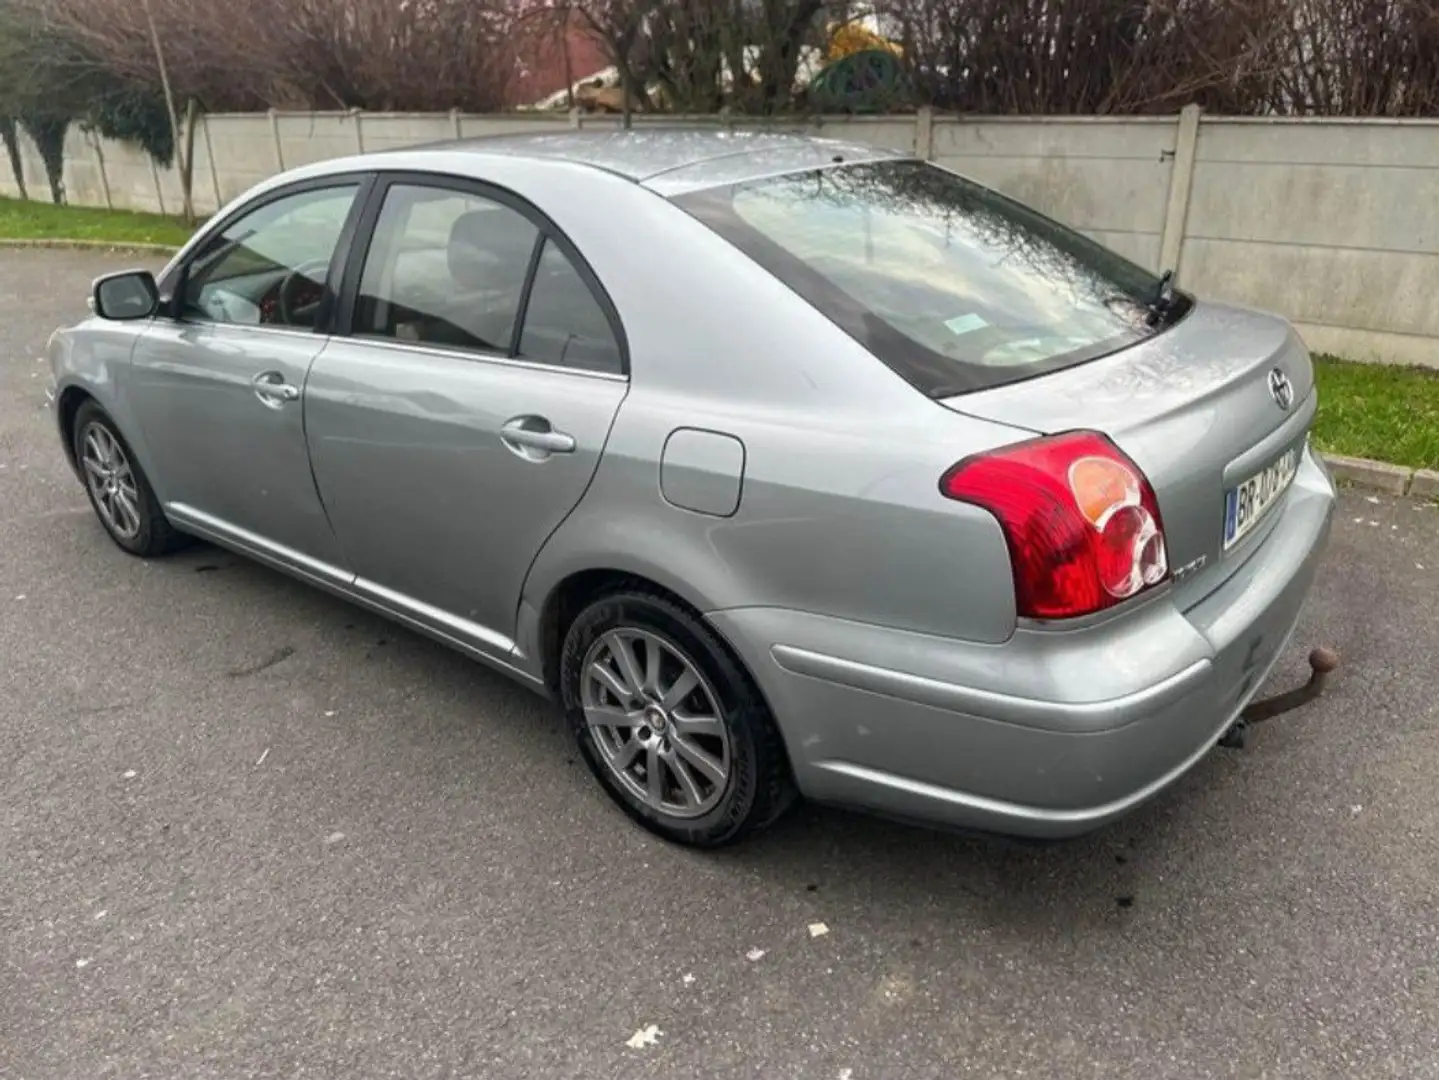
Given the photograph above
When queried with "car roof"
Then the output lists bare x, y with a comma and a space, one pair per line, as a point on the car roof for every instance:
686, 157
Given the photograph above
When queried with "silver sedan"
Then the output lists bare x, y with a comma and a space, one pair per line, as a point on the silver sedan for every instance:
785, 466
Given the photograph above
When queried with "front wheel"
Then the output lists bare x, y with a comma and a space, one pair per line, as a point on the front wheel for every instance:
118, 488
670, 723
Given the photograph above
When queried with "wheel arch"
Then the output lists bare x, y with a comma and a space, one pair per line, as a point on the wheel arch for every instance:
67, 407
569, 596
72, 395
566, 598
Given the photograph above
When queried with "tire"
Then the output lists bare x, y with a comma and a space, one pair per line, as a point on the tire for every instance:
723, 718
122, 498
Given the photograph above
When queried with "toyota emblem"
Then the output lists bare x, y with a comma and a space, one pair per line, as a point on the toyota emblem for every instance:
1281, 389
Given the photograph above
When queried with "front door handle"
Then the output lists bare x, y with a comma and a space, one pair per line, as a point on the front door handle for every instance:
533, 438
271, 388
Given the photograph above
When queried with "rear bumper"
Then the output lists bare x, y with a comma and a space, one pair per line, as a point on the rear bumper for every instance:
1052, 733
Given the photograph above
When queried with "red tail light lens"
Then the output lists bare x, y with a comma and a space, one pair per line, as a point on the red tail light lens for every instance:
1080, 519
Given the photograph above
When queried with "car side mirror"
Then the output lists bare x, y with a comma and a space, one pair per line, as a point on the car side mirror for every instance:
130, 294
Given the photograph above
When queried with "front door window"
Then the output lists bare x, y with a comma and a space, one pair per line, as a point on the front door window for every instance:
270, 266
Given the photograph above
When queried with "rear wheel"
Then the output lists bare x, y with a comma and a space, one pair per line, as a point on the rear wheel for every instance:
670, 723
118, 488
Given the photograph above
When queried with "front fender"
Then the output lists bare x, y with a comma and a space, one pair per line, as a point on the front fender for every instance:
92, 359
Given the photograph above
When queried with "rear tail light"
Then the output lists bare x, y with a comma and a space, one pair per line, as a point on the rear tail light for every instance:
1080, 519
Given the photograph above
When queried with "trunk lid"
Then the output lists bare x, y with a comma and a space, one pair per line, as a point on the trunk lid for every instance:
1198, 408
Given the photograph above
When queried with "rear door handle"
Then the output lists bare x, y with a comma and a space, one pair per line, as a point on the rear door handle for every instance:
271, 388
533, 438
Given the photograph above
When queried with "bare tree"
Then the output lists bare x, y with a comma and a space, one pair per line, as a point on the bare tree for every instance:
1089, 56
704, 55
1359, 57
1356, 57
373, 54
184, 146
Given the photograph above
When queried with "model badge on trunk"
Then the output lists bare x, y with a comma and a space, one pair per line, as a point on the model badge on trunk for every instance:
1281, 389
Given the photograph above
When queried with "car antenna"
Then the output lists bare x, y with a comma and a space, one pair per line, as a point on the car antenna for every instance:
1163, 298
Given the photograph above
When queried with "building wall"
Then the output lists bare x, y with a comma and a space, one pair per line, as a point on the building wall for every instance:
543, 63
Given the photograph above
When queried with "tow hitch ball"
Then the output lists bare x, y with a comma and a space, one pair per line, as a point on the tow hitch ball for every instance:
1321, 662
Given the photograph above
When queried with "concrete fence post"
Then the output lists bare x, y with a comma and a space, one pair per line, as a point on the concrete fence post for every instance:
455, 121
1181, 182
924, 133
210, 153
359, 119
275, 134
155, 178
575, 119
94, 138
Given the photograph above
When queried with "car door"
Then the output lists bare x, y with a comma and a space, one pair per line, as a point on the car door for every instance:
460, 419
218, 386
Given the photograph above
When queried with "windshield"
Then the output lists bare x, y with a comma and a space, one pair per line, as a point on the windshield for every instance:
953, 285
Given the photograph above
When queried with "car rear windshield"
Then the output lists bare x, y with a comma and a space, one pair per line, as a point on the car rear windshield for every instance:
951, 284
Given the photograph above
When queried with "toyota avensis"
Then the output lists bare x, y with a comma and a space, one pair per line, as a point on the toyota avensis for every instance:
787, 466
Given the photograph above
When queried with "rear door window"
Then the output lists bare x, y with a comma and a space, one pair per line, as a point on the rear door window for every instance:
446, 268
564, 323
954, 286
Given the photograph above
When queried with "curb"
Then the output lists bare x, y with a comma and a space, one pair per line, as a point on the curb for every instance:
1382, 476
91, 245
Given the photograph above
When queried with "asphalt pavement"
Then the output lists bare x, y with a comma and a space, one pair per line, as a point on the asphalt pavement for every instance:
249, 831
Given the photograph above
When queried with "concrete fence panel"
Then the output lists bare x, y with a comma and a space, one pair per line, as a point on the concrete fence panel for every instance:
306, 138
476, 127
9, 183
131, 176
171, 189
889, 132
399, 130
604, 123
1108, 178
85, 180
245, 150
205, 185
1335, 224
32, 167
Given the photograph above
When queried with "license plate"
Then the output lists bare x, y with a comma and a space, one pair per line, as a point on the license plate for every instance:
1246, 505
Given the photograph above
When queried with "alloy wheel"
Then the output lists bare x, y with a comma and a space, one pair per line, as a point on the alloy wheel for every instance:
111, 481
655, 721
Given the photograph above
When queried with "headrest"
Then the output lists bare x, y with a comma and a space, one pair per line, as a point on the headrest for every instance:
489, 248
